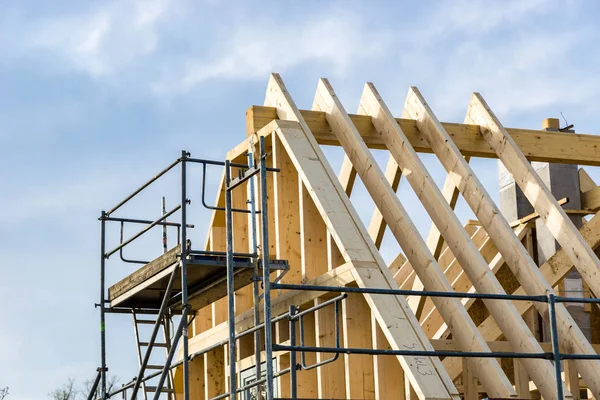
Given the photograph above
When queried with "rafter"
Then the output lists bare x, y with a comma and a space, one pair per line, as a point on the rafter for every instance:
557, 221
488, 370
356, 247
455, 235
515, 255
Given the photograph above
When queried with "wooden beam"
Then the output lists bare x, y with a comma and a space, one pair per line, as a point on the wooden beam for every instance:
557, 221
214, 373
287, 212
377, 225
313, 240
556, 147
389, 376
399, 326
408, 237
457, 238
586, 183
360, 378
516, 256
591, 199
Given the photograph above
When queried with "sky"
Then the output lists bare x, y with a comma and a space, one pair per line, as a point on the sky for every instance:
98, 96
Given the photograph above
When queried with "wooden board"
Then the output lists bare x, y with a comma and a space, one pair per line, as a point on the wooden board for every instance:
407, 235
557, 147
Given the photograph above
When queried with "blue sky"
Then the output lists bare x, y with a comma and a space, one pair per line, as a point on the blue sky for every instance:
98, 96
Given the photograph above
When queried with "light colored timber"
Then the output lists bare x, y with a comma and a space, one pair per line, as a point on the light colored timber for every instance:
406, 234
586, 183
515, 255
426, 374
389, 376
313, 238
452, 270
537, 145
457, 238
553, 271
370, 275
377, 225
462, 283
535, 215
591, 199
435, 240
555, 218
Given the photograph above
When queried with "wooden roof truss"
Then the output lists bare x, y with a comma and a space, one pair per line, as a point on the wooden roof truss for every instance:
317, 230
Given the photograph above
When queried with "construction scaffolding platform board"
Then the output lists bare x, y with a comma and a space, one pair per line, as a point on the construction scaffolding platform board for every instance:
207, 280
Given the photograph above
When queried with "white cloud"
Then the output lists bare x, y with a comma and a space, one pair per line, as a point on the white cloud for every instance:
100, 42
255, 50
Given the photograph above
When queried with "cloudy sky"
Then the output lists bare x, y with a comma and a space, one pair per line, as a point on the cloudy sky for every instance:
98, 96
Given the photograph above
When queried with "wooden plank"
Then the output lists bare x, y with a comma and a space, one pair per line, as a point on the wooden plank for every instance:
516, 256
313, 241
313, 238
586, 183
521, 380
406, 233
389, 376
590, 200
214, 372
244, 299
307, 379
572, 378
287, 210
360, 378
340, 276
555, 218
377, 225
435, 240
331, 377
144, 273
537, 145
457, 238
353, 242
432, 321
469, 382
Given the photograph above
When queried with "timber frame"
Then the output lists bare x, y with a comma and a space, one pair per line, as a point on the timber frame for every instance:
314, 229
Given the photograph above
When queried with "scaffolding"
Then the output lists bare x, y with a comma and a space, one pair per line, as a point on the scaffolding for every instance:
258, 262
222, 273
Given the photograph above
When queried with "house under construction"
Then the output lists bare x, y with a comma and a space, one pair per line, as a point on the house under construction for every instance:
290, 297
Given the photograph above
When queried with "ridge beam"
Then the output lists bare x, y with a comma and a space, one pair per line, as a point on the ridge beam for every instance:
488, 370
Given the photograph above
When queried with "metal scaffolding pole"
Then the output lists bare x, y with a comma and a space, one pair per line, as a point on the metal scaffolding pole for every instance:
255, 275
102, 311
230, 283
184, 285
266, 269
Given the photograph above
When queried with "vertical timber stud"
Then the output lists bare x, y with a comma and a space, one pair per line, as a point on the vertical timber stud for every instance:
557, 221
523, 267
406, 234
